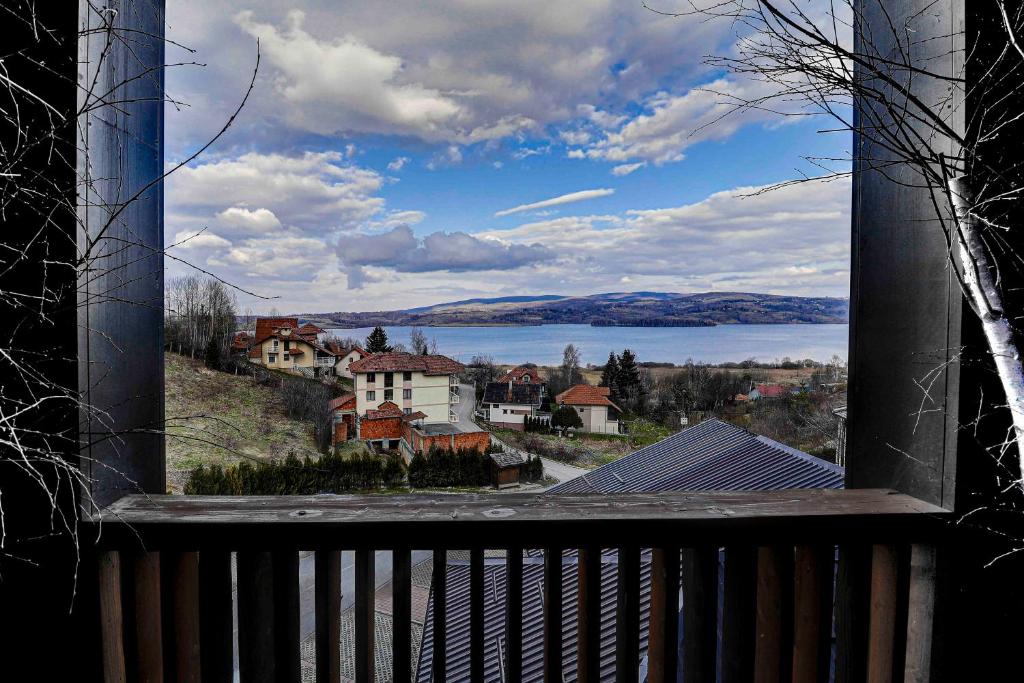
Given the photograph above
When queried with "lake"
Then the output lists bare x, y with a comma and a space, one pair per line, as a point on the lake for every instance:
543, 344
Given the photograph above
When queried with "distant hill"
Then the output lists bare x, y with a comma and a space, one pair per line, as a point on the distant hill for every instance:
613, 309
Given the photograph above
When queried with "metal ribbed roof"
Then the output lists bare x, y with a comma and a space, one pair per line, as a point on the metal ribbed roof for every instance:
712, 455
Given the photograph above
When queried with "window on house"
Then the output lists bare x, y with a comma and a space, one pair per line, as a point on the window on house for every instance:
371, 395
389, 394
273, 345
581, 410
406, 376
407, 411
287, 344
389, 379
407, 393
271, 357
286, 358
504, 411
371, 377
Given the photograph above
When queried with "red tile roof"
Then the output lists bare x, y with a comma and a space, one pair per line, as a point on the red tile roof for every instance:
585, 395
771, 390
266, 326
384, 410
309, 329
341, 403
402, 362
418, 415
294, 351
516, 374
241, 341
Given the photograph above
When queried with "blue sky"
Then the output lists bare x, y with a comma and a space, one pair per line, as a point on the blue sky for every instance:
383, 157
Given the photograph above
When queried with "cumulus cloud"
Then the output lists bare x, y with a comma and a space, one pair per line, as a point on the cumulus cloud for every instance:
398, 164
671, 123
400, 250
257, 221
445, 71
580, 196
314, 191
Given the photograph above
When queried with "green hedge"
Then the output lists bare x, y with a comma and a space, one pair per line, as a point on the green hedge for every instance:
291, 476
532, 470
440, 467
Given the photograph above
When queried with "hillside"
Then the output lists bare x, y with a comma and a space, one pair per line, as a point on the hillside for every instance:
215, 418
631, 309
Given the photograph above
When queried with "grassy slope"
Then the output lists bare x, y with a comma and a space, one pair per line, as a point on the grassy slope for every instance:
227, 418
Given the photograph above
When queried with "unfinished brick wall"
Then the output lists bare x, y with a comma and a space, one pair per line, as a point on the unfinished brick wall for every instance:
474, 440
384, 428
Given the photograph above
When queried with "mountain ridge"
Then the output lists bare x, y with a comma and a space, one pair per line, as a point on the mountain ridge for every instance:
612, 309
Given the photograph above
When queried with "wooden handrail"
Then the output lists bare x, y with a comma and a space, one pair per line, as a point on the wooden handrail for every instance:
403, 521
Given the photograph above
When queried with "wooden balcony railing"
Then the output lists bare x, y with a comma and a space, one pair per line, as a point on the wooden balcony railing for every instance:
774, 555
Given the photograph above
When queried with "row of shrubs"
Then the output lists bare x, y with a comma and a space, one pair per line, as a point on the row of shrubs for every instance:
336, 474
291, 476
445, 467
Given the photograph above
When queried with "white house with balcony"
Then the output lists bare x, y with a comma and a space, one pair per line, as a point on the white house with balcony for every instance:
416, 383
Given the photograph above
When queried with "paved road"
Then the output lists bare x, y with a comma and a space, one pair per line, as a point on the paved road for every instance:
561, 471
465, 407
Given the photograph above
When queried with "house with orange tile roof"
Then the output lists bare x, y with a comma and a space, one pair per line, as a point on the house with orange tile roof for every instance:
281, 344
597, 411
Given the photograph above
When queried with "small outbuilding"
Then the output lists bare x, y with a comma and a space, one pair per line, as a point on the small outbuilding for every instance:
505, 469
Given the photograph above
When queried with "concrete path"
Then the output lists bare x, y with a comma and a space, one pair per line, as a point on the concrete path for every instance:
561, 471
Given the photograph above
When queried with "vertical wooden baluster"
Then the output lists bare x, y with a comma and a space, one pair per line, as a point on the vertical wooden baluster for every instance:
365, 617
812, 613
185, 604
882, 619
476, 614
738, 610
148, 624
588, 615
663, 641
328, 616
111, 619
286, 615
852, 601
401, 612
772, 644
256, 651
514, 615
627, 616
920, 614
216, 631
553, 615
699, 578
439, 595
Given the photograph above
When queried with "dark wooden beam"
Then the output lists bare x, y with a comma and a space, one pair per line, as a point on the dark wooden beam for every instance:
379, 522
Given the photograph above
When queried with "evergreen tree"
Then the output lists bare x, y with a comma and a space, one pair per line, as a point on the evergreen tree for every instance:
629, 384
377, 341
212, 355
610, 374
566, 416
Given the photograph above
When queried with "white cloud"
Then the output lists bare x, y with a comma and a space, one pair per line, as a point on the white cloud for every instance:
398, 164
257, 221
313, 192
555, 201
791, 240
196, 239
626, 169
672, 123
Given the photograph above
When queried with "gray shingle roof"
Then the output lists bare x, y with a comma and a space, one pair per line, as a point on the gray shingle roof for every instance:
712, 455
